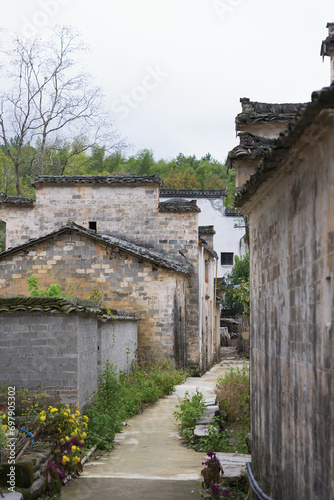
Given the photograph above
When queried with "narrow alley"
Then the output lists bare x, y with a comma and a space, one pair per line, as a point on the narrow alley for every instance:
149, 461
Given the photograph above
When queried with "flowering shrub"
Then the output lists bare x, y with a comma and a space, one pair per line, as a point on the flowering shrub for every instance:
68, 431
211, 472
213, 483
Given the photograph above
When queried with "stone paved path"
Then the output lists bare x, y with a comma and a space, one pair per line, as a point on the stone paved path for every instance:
149, 461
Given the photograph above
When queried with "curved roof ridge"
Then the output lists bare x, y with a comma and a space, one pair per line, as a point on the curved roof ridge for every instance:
156, 257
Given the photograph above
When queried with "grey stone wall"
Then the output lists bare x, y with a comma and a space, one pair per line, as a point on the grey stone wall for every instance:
117, 343
292, 338
58, 352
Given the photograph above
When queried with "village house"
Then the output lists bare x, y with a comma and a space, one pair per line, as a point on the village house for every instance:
143, 255
228, 224
289, 201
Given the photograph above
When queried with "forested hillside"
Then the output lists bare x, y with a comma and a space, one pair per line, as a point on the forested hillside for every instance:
180, 172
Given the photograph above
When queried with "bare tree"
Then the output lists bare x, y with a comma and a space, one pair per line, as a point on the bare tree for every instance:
48, 102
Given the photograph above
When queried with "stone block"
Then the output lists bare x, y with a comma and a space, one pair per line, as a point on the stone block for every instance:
23, 472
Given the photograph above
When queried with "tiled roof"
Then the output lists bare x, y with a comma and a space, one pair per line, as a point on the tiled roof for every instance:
207, 247
253, 111
274, 157
180, 206
251, 146
59, 305
15, 200
149, 254
98, 179
192, 193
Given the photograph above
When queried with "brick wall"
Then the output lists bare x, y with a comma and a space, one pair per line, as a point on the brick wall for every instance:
292, 340
117, 344
60, 352
80, 265
125, 211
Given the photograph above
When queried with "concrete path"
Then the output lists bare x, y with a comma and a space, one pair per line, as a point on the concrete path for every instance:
149, 462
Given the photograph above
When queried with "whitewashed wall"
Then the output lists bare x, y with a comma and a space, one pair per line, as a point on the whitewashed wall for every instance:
227, 237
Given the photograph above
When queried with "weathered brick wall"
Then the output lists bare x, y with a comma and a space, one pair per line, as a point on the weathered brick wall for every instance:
60, 352
125, 211
117, 344
87, 366
20, 223
130, 284
292, 340
129, 212
44, 350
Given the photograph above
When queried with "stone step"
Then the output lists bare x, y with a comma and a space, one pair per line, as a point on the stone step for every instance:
200, 430
205, 420
15, 495
232, 463
210, 401
211, 410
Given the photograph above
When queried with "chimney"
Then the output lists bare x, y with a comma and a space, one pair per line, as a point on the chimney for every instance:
207, 233
327, 49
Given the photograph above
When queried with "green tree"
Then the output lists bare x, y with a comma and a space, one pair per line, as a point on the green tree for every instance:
235, 280
181, 180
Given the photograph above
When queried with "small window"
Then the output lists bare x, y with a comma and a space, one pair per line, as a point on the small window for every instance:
226, 258
92, 225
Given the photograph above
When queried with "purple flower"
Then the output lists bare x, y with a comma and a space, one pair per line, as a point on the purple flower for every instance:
225, 493
215, 488
61, 474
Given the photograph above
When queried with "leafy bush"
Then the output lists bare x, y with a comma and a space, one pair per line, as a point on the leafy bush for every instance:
240, 271
228, 431
54, 290
233, 395
192, 408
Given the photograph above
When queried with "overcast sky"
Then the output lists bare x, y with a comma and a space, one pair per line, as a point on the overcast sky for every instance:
173, 71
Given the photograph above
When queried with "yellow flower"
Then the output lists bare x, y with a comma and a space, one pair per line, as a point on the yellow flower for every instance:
65, 459
53, 410
82, 441
73, 448
55, 451
75, 460
73, 434
66, 405
67, 438
85, 425
86, 418
77, 412
43, 417
84, 435
66, 414
5, 427
50, 407
4, 415
73, 416
59, 429
62, 441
